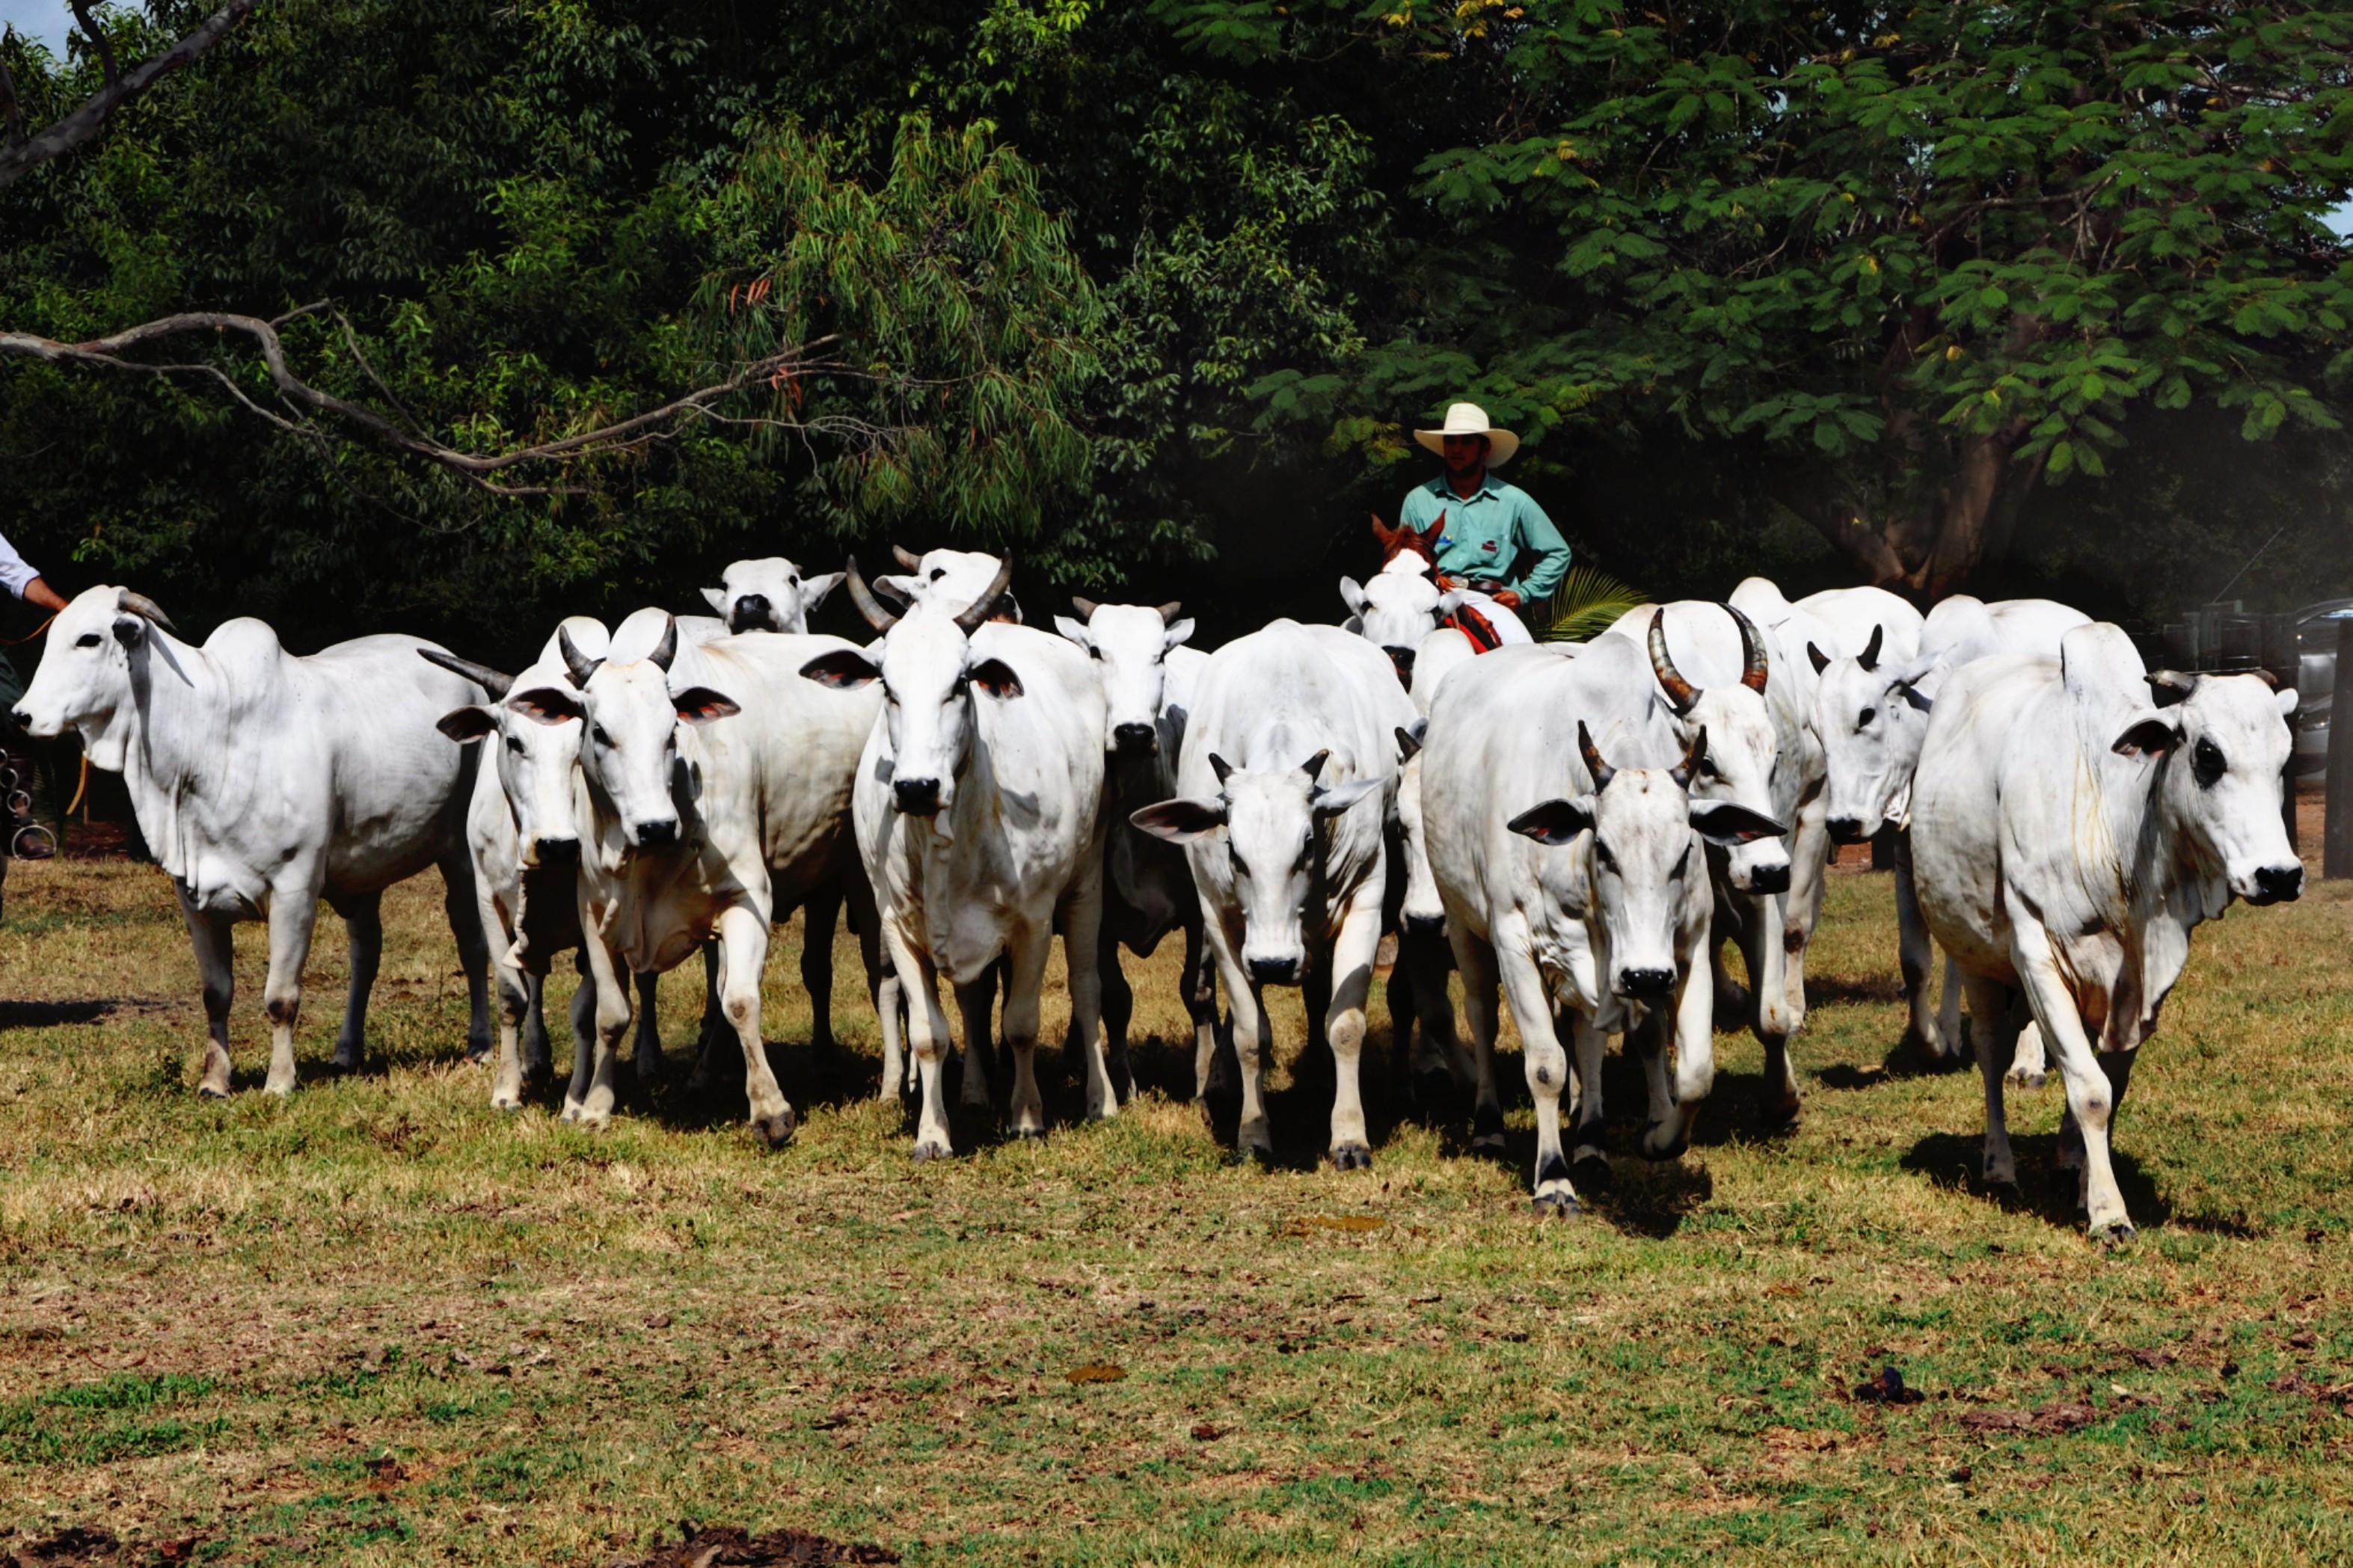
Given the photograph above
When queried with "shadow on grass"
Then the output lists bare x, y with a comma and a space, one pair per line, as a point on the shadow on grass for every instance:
50, 1014
1953, 1161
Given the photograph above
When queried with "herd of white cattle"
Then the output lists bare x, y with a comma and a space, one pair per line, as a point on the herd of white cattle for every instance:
1581, 828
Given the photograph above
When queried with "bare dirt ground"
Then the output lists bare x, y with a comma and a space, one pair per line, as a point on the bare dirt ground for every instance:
379, 1322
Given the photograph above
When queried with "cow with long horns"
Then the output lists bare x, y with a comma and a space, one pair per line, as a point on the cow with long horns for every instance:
978, 809
1569, 879
1715, 670
265, 782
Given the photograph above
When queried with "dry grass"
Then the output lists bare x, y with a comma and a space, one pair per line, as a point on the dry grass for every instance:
381, 1323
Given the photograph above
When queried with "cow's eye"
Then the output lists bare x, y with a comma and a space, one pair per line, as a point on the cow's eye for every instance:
88, 639
514, 744
2206, 762
1095, 654
939, 573
791, 581
1682, 864
1601, 852
602, 738
1708, 770
1863, 722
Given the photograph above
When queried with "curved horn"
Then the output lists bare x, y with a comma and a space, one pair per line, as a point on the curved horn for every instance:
1680, 695
969, 618
666, 649
1602, 772
145, 608
1682, 772
1870, 660
496, 684
880, 619
1220, 766
577, 665
907, 557
1313, 766
1086, 607
1169, 610
1752, 651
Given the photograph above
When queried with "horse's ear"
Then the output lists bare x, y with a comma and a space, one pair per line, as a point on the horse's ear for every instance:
1436, 527
1383, 534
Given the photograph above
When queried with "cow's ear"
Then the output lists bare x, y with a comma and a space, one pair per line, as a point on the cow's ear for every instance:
548, 705
1821, 661
2148, 738
1181, 821
1352, 594
2285, 701
700, 705
994, 677
1330, 803
716, 598
1075, 630
1724, 823
1410, 740
1353, 625
467, 723
844, 669
1910, 695
815, 589
1176, 634
1449, 602
1555, 821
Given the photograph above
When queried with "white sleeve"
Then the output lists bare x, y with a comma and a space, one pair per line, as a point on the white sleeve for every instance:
14, 574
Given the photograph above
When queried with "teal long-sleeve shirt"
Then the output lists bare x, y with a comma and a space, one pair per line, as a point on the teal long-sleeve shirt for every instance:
1486, 535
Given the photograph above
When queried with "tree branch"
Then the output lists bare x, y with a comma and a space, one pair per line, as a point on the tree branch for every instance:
303, 400
25, 153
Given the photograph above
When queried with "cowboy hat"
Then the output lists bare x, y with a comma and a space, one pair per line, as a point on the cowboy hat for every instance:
1470, 419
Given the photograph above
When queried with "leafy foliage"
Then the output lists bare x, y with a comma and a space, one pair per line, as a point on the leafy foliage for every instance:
1587, 602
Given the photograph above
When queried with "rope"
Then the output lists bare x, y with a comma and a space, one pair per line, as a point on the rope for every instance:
37, 631
81, 788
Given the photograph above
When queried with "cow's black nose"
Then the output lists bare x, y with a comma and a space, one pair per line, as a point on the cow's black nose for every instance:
20, 720
1275, 970
752, 613
560, 851
658, 835
1400, 657
1769, 879
1645, 982
1425, 925
1135, 739
2277, 884
1847, 829
917, 797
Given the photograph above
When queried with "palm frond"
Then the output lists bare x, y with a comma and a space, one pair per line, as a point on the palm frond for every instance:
1586, 604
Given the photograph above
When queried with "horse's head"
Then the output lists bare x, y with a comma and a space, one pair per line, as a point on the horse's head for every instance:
1402, 540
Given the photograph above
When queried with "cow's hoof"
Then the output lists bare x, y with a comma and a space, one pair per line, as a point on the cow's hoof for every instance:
1592, 1171
1669, 1147
928, 1149
776, 1130
1553, 1205
1433, 1088
1031, 1134
1260, 1155
651, 1068
1490, 1146
509, 1103
1776, 1122
1352, 1157
208, 1089
2119, 1233
283, 1088
342, 1066
476, 1051
2024, 1079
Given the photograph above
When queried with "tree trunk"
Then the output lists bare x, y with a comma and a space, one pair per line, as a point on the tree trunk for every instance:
1922, 542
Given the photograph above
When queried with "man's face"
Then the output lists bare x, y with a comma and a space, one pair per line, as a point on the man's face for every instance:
1465, 454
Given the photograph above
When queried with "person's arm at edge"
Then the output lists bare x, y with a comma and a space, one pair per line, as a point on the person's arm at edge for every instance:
1551, 551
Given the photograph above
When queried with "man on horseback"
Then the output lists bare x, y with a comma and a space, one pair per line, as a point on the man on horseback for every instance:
1497, 539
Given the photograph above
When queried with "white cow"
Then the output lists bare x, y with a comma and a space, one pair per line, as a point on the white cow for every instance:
956, 578
1147, 677
715, 782
1398, 608
978, 809
1288, 770
2073, 822
768, 594
265, 782
524, 839
1872, 710
1598, 898
1716, 669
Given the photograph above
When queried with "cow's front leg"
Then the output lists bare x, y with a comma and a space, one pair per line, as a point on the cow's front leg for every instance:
927, 1035
1028, 951
292, 916
1438, 1052
1475, 960
215, 948
460, 901
584, 1037
1693, 1024
645, 1059
1589, 1150
977, 1005
1801, 907
1917, 955
1118, 1011
364, 926
2090, 1096
535, 1055
819, 915
1547, 1072
1761, 946
2028, 1065
1353, 949
518, 1002
743, 960
1083, 947
590, 1103
1990, 1033
1202, 1006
